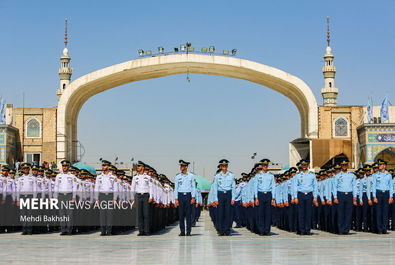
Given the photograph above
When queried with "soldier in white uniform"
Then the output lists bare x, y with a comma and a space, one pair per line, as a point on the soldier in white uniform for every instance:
6, 199
65, 190
26, 188
106, 190
142, 187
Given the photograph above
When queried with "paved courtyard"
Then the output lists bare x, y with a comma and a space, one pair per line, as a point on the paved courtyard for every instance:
204, 247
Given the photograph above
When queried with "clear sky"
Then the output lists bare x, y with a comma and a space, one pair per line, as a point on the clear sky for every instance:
162, 120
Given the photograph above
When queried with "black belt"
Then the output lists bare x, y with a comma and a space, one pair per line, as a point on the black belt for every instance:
305, 193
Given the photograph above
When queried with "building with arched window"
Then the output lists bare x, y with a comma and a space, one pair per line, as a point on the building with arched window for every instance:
36, 133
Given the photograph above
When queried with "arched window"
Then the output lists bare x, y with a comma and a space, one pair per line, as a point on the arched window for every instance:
33, 128
341, 127
330, 84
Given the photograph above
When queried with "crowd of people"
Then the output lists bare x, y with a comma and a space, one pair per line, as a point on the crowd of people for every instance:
71, 186
334, 199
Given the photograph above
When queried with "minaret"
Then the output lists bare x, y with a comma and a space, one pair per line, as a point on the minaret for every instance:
65, 70
329, 92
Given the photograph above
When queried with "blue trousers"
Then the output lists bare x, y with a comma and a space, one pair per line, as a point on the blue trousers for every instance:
237, 213
185, 211
344, 211
224, 211
264, 212
305, 209
382, 208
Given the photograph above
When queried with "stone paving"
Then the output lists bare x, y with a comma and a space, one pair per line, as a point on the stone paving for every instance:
204, 247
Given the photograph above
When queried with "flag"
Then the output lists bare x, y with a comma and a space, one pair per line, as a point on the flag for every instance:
2, 111
384, 110
370, 110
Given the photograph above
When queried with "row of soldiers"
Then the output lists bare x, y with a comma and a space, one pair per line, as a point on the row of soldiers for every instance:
332, 200
371, 209
80, 187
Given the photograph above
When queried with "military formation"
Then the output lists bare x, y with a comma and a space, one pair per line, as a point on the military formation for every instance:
96, 195
334, 199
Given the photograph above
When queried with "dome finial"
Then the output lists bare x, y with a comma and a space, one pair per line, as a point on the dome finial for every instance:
65, 33
328, 36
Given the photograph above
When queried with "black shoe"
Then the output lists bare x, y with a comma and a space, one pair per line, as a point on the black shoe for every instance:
189, 234
299, 233
308, 233
24, 233
385, 232
63, 233
141, 234
103, 234
182, 234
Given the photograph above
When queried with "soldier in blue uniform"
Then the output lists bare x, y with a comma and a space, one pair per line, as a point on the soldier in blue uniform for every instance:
382, 189
305, 194
365, 200
391, 171
184, 193
345, 196
264, 193
224, 196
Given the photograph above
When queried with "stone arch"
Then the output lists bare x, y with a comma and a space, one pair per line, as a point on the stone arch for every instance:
83, 88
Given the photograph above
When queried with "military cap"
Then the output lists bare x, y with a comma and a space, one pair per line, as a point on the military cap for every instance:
304, 162
41, 168
72, 168
5, 168
367, 167
264, 161
84, 172
257, 166
223, 162
120, 172
286, 173
12, 171
26, 165
35, 167
375, 165
65, 163
298, 164
244, 175
344, 162
48, 171
113, 168
140, 163
330, 170
183, 163
293, 170
381, 162
105, 163
337, 166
